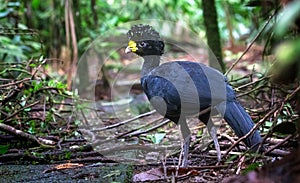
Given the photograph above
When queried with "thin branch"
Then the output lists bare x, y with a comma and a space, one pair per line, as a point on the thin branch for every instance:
14, 83
124, 122
278, 144
253, 82
21, 134
137, 133
250, 45
257, 125
25, 107
97, 142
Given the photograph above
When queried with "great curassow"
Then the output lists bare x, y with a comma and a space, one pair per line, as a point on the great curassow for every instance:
183, 88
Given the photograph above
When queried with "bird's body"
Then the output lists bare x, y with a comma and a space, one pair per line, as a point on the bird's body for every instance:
182, 88
185, 87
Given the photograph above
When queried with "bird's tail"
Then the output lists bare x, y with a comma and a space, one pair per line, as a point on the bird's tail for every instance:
241, 123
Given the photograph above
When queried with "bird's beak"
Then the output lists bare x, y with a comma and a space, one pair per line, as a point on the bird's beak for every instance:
131, 47
128, 50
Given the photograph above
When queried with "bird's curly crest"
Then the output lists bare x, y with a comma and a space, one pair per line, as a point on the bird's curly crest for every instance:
143, 32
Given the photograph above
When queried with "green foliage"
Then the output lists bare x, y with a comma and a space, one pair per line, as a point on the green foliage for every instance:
32, 127
93, 20
155, 138
288, 17
3, 149
117, 173
251, 167
68, 155
288, 52
30, 100
17, 42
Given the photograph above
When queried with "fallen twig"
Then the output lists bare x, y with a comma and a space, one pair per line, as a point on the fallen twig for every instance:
274, 110
123, 122
22, 134
148, 130
278, 144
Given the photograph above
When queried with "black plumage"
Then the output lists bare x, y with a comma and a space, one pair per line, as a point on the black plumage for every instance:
182, 88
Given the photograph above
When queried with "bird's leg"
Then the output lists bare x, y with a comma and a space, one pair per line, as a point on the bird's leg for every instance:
186, 134
185, 149
213, 133
206, 119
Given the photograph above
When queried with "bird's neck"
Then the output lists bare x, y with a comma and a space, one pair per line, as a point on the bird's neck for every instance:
150, 63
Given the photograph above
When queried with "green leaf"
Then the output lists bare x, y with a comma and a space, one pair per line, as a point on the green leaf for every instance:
4, 14
268, 123
61, 85
68, 155
158, 137
4, 148
83, 42
288, 52
27, 109
35, 4
14, 4
32, 65
13, 51
4, 40
251, 167
23, 103
288, 17
68, 93
52, 83
37, 86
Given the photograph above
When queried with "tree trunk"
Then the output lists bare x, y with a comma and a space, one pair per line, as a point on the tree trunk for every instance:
212, 34
82, 68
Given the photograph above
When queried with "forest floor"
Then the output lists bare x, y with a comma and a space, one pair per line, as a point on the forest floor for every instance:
116, 144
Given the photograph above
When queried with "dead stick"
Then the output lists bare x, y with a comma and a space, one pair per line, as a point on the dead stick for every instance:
22, 134
278, 144
149, 130
25, 107
97, 142
123, 122
249, 46
275, 109
14, 83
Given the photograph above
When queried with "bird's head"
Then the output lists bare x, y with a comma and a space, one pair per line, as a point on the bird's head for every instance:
144, 41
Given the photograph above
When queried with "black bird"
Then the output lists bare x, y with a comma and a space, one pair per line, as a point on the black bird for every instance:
183, 88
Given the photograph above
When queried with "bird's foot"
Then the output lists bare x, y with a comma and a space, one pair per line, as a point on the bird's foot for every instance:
185, 151
213, 134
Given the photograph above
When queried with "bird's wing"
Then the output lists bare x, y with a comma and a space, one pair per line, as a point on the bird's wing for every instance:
162, 94
183, 86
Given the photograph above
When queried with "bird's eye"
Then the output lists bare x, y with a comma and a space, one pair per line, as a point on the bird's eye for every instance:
142, 44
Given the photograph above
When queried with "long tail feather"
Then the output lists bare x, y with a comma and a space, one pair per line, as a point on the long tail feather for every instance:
241, 123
